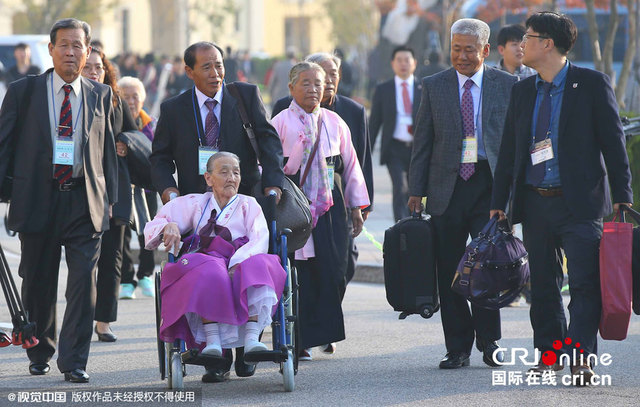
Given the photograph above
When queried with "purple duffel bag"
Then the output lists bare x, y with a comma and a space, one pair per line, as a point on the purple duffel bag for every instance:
494, 268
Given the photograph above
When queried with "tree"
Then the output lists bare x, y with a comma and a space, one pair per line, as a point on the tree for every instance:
37, 17
352, 22
215, 12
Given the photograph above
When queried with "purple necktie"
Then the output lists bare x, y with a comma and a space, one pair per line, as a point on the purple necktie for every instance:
61, 172
211, 126
466, 107
536, 176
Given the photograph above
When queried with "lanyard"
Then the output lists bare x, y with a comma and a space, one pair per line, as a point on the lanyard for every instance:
55, 119
197, 115
225, 207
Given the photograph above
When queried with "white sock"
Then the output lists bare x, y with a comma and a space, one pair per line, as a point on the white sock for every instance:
251, 332
212, 331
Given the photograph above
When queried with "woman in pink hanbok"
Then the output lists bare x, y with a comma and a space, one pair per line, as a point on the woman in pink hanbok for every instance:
224, 288
320, 157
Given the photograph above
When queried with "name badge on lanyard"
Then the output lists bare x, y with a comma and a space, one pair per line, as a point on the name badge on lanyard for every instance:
542, 151
330, 173
63, 153
469, 150
204, 153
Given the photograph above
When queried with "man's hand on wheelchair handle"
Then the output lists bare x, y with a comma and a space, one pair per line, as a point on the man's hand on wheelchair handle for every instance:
171, 237
277, 190
166, 194
499, 212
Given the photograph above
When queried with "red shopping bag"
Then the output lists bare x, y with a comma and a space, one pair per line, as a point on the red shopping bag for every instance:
615, 278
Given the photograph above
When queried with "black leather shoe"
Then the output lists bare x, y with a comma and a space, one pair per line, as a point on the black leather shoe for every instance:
487, 350
106, 337
243, 369
215, 376
76, 376
39, 369
454, 360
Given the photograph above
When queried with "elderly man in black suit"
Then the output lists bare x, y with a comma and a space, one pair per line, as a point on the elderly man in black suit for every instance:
355, 116
562, 140
65, 180
205, 119
455, 150
394, 109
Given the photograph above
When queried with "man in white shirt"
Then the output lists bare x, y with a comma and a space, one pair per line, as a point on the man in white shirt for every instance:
394, 108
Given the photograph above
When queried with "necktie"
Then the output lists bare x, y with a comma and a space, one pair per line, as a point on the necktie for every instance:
63, 173
211, 126
466, 107
406, 101
536, 175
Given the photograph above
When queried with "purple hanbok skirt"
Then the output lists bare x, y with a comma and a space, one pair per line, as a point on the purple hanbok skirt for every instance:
198, 286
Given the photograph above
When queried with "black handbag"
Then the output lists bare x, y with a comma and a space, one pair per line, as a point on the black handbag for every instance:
6, 187
139, 151
292, 212
494, 268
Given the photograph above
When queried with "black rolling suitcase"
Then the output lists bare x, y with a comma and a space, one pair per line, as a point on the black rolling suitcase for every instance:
410, 267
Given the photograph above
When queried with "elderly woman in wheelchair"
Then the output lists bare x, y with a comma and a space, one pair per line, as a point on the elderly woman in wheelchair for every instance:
224, 288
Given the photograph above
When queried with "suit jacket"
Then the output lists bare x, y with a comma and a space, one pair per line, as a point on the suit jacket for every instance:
33, 151
437, 144
590, 137
355, 115
175, 145
384, 113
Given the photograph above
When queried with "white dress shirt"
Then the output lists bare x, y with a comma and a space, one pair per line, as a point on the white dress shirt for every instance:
403, 119
55, 97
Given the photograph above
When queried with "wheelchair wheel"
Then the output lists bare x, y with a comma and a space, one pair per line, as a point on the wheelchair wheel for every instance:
295, 335
161, 350
288, 374
175, 372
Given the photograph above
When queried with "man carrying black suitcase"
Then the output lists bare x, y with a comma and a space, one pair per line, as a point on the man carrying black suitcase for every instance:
455, 148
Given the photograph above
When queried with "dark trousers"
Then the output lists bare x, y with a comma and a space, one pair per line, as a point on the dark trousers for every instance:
549, 228
109, 268
466, 215
398, 166
146, 259
69, 226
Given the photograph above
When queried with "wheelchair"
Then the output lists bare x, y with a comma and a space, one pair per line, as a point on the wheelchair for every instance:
173, 356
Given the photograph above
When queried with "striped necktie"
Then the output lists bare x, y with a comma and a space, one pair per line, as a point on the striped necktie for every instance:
63, 173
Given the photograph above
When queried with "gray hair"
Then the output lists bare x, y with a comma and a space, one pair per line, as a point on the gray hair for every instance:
300, 67
217, 156
320, 57
71, 23
472, 26
131, 82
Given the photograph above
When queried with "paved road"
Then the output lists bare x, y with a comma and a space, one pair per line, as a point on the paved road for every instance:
384, 361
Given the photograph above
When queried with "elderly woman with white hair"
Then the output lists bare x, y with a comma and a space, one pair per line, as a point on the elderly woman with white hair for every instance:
223, 290
321, 158
133, 92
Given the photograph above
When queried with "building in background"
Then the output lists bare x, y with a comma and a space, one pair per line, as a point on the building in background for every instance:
263, 27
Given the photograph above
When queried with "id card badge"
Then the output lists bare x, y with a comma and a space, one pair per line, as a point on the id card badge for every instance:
330, 173
204, 153
63, 153
542, 151
470, 150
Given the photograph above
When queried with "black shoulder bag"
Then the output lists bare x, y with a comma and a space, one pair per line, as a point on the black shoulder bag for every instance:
293, 210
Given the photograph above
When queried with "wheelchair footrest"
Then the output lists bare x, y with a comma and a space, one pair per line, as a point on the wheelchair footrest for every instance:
194, 357
276, 356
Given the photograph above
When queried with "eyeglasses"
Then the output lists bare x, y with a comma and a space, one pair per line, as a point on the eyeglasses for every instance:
527, 36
